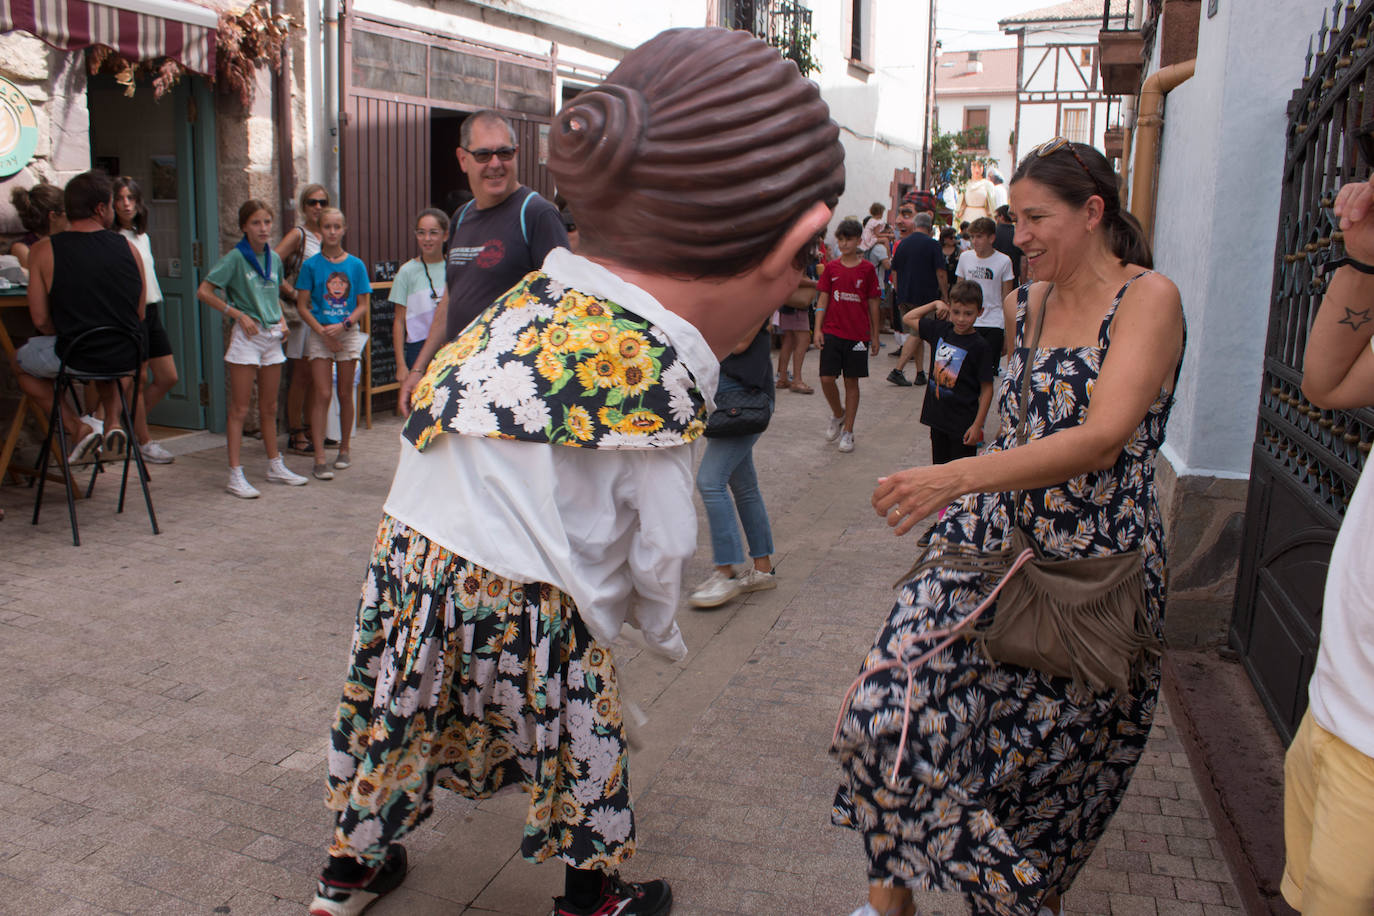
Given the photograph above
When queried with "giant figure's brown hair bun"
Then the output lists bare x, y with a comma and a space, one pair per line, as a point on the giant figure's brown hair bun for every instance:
696, 155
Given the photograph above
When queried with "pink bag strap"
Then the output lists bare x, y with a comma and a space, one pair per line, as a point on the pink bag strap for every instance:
946, 635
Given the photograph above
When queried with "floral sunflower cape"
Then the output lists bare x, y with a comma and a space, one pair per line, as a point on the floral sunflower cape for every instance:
550, 364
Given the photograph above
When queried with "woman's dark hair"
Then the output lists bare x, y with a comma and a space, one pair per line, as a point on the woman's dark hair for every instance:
140, 220
707, 141
1076, 172
84, 194
253, 205
34, 204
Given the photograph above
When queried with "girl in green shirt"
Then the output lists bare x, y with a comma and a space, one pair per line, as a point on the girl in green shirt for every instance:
243, 286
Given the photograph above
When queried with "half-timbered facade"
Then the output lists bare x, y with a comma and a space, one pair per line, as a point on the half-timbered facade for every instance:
1059, 85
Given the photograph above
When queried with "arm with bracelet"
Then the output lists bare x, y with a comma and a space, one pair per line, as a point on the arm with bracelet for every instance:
1338, 365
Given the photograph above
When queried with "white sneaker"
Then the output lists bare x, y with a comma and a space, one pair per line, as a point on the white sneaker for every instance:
715, 591
278, 472
832, 432
155, 454
89, 443
756, 580
239, 485
846, 442
866, 910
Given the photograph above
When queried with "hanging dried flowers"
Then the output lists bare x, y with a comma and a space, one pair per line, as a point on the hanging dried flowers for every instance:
242, 42
246, 39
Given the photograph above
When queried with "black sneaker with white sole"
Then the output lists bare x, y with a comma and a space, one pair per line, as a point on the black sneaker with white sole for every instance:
622, 898
351, 899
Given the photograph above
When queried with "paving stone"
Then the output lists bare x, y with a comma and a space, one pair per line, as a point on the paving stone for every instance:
185, 772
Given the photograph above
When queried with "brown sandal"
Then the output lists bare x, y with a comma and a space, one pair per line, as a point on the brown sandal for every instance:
802, 388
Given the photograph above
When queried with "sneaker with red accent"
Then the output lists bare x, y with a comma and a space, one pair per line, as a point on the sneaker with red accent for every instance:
623, 898
350, 900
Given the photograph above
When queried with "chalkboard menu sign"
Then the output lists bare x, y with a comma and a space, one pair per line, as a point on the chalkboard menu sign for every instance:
383, 347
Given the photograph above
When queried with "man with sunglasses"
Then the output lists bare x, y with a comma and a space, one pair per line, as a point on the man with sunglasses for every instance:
503, 233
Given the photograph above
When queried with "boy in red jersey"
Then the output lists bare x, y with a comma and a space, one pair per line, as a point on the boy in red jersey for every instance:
847, 331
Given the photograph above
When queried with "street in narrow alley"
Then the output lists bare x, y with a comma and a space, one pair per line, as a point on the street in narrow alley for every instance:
170, 698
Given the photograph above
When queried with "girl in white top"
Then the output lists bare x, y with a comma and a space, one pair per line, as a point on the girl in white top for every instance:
131, 219
295, 248
417, 289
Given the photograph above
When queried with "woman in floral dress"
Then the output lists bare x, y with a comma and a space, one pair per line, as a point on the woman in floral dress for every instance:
543, 497
1009, 775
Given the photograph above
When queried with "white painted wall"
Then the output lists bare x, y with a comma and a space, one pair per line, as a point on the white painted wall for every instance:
1001, 121
881, 114
1216, 218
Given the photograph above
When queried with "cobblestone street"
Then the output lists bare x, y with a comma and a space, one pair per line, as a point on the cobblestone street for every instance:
170, 696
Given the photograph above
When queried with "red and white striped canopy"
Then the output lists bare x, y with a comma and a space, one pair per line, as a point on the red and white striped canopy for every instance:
137, 29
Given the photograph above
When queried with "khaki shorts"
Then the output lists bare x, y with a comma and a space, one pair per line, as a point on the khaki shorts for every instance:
352, 340
1328, 807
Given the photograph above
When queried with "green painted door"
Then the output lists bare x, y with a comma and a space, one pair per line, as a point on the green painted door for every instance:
162, 144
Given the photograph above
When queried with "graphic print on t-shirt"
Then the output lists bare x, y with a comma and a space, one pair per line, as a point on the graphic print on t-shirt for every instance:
978, 272
949, 359
336, 293
487, 254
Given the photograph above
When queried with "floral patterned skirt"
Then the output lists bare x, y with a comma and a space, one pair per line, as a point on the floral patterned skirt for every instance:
1009, 775
465, 679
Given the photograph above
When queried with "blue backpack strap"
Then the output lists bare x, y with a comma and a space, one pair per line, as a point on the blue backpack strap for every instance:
462, 213
524, 229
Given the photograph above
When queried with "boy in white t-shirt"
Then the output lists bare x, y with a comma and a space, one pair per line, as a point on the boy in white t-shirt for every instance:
991, 270
1328, 798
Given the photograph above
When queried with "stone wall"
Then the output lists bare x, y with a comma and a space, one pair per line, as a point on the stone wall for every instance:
55, 82
1204, 519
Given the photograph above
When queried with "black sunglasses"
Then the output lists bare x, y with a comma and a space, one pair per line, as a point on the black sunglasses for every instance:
317, 201
1054, 145
483, 156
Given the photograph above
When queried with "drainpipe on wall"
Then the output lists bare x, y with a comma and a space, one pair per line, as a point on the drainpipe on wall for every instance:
1127, 115
286, 145
331, 96
1149, 124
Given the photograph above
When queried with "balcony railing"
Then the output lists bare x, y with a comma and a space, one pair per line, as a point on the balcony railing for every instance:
784, 24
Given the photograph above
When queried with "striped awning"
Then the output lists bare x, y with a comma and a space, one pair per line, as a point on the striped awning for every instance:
137, 29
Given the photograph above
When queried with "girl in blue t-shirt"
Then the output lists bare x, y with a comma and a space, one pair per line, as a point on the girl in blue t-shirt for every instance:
333, 294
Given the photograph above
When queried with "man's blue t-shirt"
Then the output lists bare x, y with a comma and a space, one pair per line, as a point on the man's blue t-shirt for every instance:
334, 286
918, 262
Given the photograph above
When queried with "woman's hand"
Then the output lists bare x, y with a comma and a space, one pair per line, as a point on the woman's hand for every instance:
906, 497
247, 325
1355, 208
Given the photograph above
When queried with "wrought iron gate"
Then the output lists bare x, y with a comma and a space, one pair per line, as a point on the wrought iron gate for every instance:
1306, 461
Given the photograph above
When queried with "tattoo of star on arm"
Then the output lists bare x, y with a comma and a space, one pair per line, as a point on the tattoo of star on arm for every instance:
1355, 319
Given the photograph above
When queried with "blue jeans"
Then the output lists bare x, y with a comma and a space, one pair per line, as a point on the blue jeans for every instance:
731, 462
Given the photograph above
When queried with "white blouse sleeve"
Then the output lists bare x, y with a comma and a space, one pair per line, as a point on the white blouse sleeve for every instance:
664, 539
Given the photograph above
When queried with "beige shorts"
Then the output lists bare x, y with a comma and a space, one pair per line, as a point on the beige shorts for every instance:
1328, 806
352, 340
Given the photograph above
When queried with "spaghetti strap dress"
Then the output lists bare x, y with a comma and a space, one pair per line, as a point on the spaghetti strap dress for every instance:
1009, 775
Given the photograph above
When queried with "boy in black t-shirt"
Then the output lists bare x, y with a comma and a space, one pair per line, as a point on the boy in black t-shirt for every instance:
960, 389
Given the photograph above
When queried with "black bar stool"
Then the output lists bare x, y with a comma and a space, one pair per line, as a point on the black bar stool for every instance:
64, 384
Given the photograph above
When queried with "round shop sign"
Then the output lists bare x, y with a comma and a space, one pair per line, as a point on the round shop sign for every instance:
18, 129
